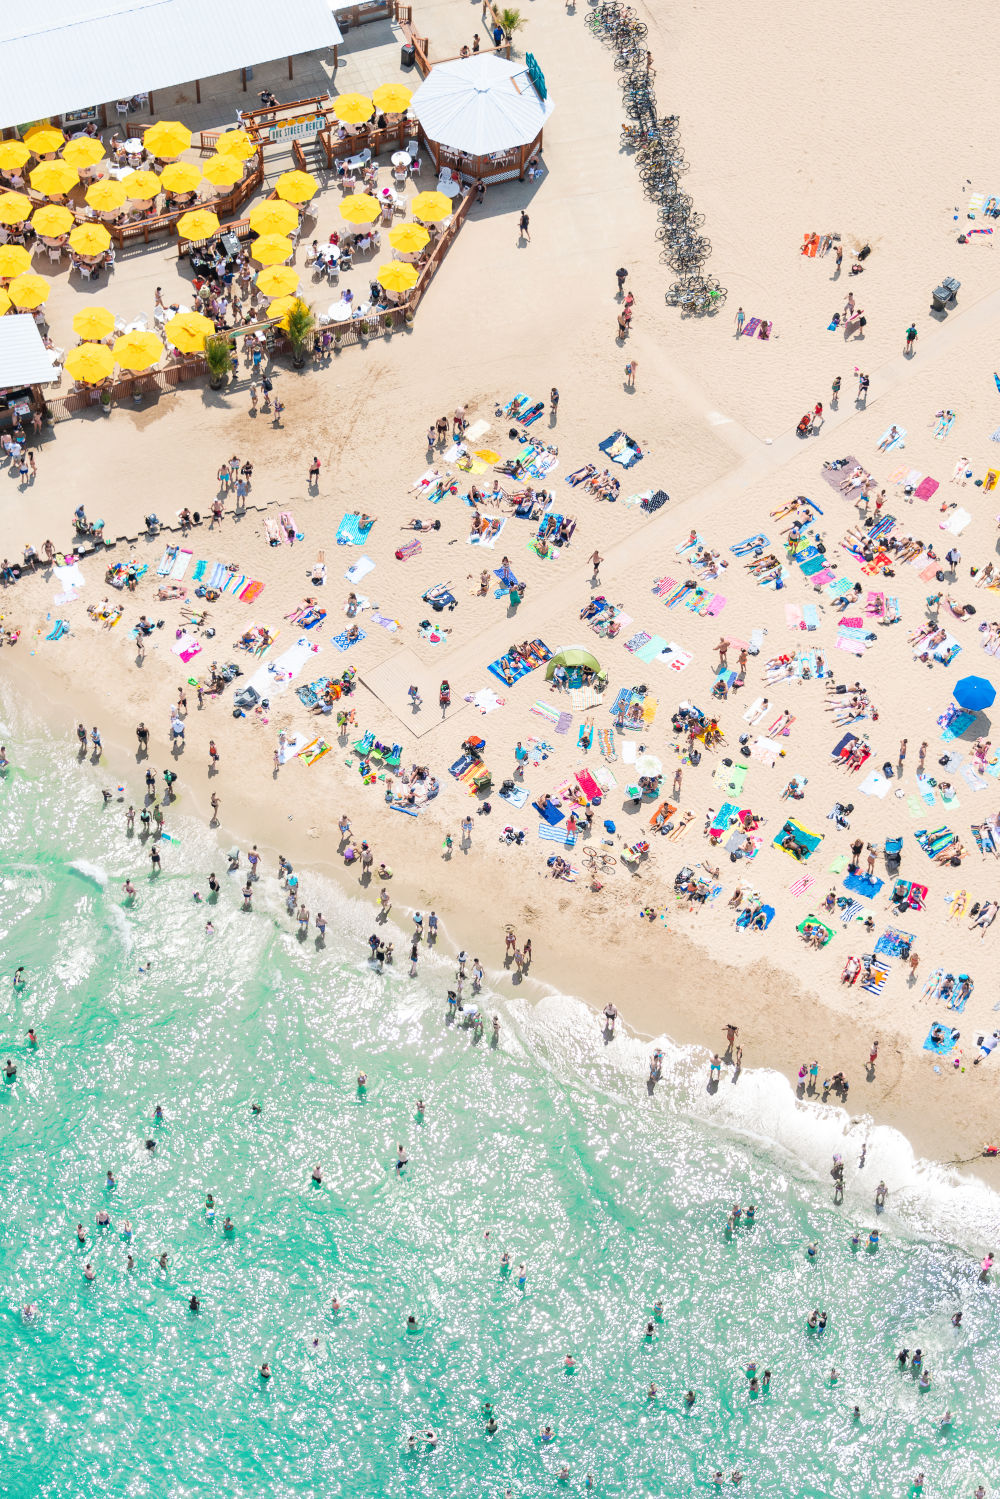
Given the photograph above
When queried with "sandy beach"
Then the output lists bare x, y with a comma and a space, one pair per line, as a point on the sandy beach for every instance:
715, 415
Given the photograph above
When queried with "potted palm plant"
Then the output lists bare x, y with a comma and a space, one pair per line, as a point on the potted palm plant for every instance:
363, 330
299, 323
512, 21
217, 359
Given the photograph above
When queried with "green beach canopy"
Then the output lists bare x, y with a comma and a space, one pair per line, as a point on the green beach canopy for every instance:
572, 655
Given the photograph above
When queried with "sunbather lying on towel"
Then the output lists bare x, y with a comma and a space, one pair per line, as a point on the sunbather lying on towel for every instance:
416, 524
581, 474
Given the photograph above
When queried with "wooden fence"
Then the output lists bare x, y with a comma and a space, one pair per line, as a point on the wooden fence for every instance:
128, 235
151, 382
393, 138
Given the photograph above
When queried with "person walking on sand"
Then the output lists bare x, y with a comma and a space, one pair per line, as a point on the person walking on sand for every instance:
722, 648
873, 1057
835, 393
620, 276
911, 338
630, 370
314, 472
740, 320
522, 225
595, 563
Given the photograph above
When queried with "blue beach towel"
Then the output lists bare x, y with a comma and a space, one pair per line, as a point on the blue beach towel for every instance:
551, 815
199, 571
556, 835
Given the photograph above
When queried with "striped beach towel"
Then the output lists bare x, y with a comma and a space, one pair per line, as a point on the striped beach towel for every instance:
801, 885
606, 743
874, 981
556, 835
847, 913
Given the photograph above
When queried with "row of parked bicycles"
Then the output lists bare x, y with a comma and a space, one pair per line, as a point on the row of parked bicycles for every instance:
659, 156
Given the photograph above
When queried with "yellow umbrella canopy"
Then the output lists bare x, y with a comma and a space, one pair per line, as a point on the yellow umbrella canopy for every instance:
43, 139
89, 239
13, 155
235, 143
141, 185
93, 322
280, 308
28, 291
360, 208
14, 208
166, 139
431, 206
13, 260
272, 249
393, 98
90, 362
296, 187
353, 109
188, 332
106, 195
85, 151
52, 219
137, 350
277, 281
4, 303
200, 223
273, 217
396, 275
409, 238
180, 177
222, 171
53, 178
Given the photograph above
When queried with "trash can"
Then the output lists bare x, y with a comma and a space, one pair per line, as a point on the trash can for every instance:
407, 55
945, 293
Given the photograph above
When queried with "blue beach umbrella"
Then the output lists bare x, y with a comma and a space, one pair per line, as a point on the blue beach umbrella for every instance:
974, 694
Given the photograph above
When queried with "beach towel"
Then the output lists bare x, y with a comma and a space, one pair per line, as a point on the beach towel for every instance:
886, 444
180, 566
252, 591
516, 796
588, 785
751, 327
754, 543
895, 944
812, 921
956, 522
662, 586
801, 885
717, 605
165, 563
199, 571
861, 884
958, 725
556, 835
730, 778
873, 982
359, 570
653, 647
343, 643
551, 813
351, 533
875, 784
803, 837
217, 577
606, 743
315, 752
926, 488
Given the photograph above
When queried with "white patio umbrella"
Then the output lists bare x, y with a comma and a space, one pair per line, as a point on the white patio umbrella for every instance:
480, 105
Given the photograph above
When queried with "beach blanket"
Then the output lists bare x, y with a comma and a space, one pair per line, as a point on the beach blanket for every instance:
811, 922
180, 566
730, 778
588, 785
802, 836
217, 577
186, 647
933, 840
836, 476
801, 885
863, 884
343, 641
315, 752
359, 570
253, 590
946, 1044
166, 562
516, 796
894, 943
556, 835
606, 743
926, 488
550, 814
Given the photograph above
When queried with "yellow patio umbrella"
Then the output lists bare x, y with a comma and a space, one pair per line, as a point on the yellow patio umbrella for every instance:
272, 249
273, 217
13, 155
43, 139
166, 139
14, 208
296, 187
51, 220
360, 208
396, 275
28, 291
487, 455
280, 308
180, 177
235, 143
89, 239
394, 98
353, 109
53, 178
93, 322
137, 350
4, 303
85, 151
188, 332
408, 238
107, 195
200, 223
222, 171
14, 259
277, 281
141, 185
431, 206
90, 363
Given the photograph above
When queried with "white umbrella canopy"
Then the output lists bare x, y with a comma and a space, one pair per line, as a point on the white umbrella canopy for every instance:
480, 105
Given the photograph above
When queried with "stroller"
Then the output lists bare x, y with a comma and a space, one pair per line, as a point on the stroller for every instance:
893, 854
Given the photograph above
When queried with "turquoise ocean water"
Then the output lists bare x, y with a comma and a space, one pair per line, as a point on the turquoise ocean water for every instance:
548, 1146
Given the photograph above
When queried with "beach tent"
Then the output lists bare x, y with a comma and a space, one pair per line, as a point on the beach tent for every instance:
571, 655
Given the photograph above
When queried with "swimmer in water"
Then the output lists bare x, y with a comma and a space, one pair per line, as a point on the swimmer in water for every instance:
158, 1113
209, 929
651, 1393
89, 1271
649, 1331
736, 1476
750, 1216
902, 1356
812, 1251
492, 1424
986, 1266
19, 977
754, 1385
689, 1399
103, 1219
956, 1320
228, 1227
946, 1418
916, 1361
918, 1481
924, 1381
658, 1309
505, 1263
265, 1371
32, 1038
547, 1434
317, 1175
861, 1158
420, 1108
209, 1206
856, 1413
10, 1071
194, 1304
522, 1275
362, 1081
150, 1144
813, 1319
255, 1108
127, 1231
29, 1312
129, 889
881, 1193
402, 1159
334, 1304
412, 1325
109, 1181
569, 1363
822, 1321
834, 1376
855, 1240
563, 1474
163, 1261
873, 1239
81, 1234
765, 1383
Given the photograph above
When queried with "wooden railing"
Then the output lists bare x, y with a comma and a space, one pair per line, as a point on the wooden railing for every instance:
442, 245
394, 137
151, 382
299, 156
166, 223
373, 10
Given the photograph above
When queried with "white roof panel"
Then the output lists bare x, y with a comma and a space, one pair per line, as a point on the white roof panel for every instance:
480, 105
24, 359
70, 54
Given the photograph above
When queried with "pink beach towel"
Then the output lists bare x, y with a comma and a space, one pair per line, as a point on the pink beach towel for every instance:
587, 785
926, 488
717, 605
252, 591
